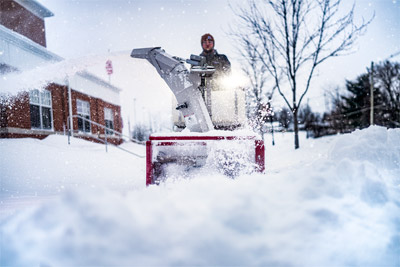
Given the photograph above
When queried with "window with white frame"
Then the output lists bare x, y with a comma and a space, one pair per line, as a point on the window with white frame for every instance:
109, 119
83, 109
41, 109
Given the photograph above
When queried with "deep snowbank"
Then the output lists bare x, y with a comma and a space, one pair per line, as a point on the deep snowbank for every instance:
336, 201
31, 167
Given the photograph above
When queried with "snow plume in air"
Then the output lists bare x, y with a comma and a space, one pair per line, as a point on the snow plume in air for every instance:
52, 72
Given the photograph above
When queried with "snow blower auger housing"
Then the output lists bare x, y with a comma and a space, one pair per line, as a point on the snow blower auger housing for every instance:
171, 153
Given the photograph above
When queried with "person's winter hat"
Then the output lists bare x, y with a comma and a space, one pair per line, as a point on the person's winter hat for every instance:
207, 36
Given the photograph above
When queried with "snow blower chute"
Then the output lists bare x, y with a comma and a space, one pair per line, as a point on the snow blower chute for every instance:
231, 153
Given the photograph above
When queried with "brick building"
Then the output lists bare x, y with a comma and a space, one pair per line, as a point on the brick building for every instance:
41, 112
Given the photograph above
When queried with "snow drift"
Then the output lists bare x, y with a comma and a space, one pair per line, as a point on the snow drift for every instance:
336, 201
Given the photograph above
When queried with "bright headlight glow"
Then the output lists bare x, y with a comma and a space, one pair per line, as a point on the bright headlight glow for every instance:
235, 79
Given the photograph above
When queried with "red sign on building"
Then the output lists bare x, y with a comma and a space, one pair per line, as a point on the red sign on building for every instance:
109, 67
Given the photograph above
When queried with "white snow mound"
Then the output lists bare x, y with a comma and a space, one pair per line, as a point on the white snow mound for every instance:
341, 209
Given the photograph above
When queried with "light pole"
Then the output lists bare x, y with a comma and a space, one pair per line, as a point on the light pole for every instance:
371, 112
135, 124
71, 121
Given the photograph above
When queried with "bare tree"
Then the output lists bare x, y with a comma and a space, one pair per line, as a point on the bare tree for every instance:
258, 94
293, 37
388, 80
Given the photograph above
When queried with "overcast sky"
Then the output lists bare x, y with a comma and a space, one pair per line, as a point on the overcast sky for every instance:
91, 27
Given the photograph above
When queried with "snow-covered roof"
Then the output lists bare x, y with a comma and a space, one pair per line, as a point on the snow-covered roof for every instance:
90, 84
36, 8
98, 81
21, 53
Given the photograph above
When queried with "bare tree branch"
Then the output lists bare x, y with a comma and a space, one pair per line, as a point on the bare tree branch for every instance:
291, 38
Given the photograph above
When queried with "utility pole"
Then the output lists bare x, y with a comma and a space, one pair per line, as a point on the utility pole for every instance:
371, 114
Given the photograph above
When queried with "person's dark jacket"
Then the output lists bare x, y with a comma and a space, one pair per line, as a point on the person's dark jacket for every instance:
219, 61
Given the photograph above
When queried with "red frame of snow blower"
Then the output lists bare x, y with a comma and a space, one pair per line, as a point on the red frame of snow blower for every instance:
171, 141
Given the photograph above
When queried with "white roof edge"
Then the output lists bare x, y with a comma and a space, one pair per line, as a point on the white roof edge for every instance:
36, 8
95, 79
24, 42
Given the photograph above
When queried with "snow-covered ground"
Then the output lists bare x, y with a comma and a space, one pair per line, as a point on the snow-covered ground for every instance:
335, 201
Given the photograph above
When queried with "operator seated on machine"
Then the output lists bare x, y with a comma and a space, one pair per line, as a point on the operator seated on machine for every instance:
219, 61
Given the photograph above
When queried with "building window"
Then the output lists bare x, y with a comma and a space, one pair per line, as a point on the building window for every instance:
41, 110
83, 108
109, 119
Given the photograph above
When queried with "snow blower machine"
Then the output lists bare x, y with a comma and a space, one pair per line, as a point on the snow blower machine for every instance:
199, 146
